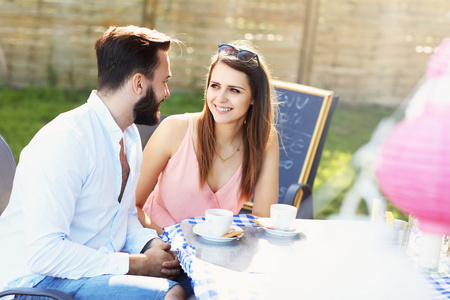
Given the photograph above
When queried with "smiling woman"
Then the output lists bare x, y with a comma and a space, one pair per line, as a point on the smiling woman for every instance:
218, 158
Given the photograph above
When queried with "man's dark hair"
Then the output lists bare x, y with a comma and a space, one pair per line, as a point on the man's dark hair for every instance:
125, 51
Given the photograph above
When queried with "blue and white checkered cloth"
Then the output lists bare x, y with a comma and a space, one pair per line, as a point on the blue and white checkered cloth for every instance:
207, 281
441, 284
212, 282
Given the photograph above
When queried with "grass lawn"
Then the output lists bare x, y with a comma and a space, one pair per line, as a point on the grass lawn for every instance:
23, 112
351, 127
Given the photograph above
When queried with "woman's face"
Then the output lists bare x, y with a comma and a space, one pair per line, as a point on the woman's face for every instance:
228, 95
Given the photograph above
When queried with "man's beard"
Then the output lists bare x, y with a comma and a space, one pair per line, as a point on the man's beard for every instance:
145, 111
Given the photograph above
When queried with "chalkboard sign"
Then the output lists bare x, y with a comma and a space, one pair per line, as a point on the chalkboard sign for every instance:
303, 113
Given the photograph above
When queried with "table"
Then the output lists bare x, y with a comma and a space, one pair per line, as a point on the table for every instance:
320, 263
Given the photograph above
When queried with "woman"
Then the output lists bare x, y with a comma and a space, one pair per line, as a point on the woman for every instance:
218, 158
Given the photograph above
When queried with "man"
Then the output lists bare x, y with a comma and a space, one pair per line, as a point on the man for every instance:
71, 223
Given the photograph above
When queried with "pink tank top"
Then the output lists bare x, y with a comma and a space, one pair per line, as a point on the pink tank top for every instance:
177, 195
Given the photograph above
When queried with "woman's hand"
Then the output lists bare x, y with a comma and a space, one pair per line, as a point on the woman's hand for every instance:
146, 222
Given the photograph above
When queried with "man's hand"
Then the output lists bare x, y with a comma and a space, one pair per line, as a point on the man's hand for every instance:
157, 261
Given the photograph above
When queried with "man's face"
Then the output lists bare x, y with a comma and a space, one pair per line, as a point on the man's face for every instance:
147, 109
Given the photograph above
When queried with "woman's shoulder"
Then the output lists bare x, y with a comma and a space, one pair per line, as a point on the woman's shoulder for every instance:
179, 121
177, 124
181, 117
174, 121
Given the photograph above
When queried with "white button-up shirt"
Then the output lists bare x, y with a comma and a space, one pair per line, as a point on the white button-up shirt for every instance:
64, 218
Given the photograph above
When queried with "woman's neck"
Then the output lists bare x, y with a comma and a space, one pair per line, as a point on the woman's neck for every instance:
227, 134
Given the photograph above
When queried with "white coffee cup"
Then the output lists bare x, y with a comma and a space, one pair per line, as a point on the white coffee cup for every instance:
218, 221
282, 216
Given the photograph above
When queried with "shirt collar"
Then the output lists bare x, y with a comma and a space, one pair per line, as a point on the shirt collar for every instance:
107, 120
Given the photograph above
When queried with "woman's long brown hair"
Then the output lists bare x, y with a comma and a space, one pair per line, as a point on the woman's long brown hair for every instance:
258, 125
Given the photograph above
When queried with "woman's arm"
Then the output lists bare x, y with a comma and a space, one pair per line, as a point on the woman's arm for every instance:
146, 222
161, 146
266, 190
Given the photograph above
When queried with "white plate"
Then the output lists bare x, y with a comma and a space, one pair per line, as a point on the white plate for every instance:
200, 230
267, 222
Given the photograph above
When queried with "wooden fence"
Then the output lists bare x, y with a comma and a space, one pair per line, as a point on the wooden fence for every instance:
366, 51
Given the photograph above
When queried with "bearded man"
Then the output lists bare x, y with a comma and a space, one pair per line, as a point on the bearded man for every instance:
71, 223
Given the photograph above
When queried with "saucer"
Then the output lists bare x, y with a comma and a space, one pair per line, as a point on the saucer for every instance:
266, 225
200, 230
282, 232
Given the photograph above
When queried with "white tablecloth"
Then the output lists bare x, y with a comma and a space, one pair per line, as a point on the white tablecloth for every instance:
213, 282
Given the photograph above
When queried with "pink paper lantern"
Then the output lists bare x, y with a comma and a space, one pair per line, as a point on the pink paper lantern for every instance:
414, 161
414, 167
439, 63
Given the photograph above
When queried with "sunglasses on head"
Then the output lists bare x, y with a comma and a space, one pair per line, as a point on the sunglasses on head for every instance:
243, 55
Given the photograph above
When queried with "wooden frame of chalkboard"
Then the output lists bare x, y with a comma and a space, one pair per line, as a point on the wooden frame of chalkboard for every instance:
303, 113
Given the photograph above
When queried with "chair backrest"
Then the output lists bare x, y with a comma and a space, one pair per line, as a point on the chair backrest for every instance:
304, 112
306, 204
305, 116
146, 131
7, 171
